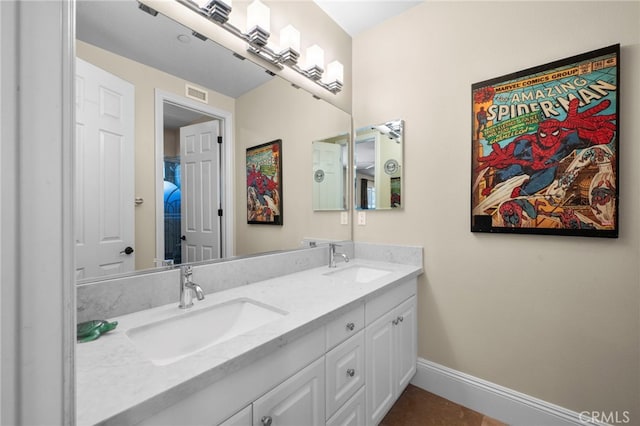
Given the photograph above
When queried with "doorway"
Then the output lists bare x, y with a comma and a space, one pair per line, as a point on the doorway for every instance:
177, 207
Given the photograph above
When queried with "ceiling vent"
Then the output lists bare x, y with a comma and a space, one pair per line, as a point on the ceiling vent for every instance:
196, 93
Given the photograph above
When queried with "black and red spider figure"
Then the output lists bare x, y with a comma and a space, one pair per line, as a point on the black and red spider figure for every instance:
538, 154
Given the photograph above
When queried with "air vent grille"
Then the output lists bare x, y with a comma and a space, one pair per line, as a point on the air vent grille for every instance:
197, 93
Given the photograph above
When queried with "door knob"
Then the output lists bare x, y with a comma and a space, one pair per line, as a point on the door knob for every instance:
127, 250
183, 238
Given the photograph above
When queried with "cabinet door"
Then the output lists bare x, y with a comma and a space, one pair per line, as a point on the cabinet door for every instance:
241, 418
380, 367
406, 344
297, 401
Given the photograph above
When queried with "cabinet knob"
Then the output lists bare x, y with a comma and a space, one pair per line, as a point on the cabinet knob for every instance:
351, 326
395, 321
400, 318
351, 372
266, 420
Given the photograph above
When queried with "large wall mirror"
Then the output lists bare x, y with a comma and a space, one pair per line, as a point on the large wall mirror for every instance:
330, 173
174, 94
378, 158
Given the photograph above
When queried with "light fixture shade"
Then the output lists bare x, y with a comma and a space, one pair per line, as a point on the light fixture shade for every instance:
206, 3
258, 15
315, 57
335, 72
290, 38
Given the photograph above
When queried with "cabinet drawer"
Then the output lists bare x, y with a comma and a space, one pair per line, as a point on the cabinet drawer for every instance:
351, 413
390, 299
345, 372
344, 326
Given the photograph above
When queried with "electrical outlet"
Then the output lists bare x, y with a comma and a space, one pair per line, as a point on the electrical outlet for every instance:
362, 218
344, 218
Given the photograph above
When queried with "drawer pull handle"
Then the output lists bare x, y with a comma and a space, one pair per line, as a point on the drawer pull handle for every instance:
395, 321
266, 420
400, 318
351, 372
351, 326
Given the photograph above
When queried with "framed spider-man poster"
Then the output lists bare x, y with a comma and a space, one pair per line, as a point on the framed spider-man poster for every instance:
545, 148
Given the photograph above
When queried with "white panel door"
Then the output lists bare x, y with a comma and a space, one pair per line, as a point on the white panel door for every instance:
328, 183
104, 217
200, 177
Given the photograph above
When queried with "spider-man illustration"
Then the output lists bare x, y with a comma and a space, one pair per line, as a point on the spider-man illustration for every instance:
570, 220
538, 154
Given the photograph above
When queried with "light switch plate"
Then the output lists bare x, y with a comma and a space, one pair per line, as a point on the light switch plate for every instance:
362, 218
344, 218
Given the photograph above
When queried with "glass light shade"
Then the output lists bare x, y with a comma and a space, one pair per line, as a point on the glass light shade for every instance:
335, 71
290, 38
202, 4
258, 15
315, 57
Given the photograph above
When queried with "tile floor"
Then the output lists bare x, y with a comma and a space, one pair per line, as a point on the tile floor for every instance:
417, 407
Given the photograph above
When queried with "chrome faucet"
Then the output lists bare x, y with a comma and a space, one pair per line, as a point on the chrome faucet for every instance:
188, 287
333, 254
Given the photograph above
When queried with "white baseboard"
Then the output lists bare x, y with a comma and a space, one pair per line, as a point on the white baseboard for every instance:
495, 401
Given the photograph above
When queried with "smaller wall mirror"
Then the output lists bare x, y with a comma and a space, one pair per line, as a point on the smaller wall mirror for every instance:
330, 159
378, 166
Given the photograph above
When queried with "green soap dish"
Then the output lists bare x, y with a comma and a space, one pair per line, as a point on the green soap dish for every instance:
91, 330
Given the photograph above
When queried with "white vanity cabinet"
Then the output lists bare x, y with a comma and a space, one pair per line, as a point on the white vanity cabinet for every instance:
348, 372
391, 350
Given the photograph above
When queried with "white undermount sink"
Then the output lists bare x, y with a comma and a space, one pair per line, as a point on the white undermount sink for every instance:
358, 274
169, 340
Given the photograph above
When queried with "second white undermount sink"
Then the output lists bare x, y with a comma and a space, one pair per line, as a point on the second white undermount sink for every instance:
358, 274
169, 340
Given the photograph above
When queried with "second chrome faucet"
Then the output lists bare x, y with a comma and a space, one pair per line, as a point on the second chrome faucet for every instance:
333, 254
188, 288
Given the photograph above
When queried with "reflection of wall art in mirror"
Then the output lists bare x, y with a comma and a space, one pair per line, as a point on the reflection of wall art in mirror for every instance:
396, 199
545, 148
264, 183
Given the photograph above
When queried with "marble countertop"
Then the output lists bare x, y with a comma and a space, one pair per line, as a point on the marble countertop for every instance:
115, 383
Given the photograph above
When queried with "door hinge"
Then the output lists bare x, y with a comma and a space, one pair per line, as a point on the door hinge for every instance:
220, 139
220, 212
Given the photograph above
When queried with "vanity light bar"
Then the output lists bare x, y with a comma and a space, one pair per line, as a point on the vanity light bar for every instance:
257, 38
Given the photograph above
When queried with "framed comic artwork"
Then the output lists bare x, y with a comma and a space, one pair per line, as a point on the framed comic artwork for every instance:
264, 183
545, 148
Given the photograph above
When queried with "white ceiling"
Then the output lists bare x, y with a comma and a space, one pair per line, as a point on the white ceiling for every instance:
356, 16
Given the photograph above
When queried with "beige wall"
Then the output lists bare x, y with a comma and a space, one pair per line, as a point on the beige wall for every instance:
278, 111
146, 80
557, 318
